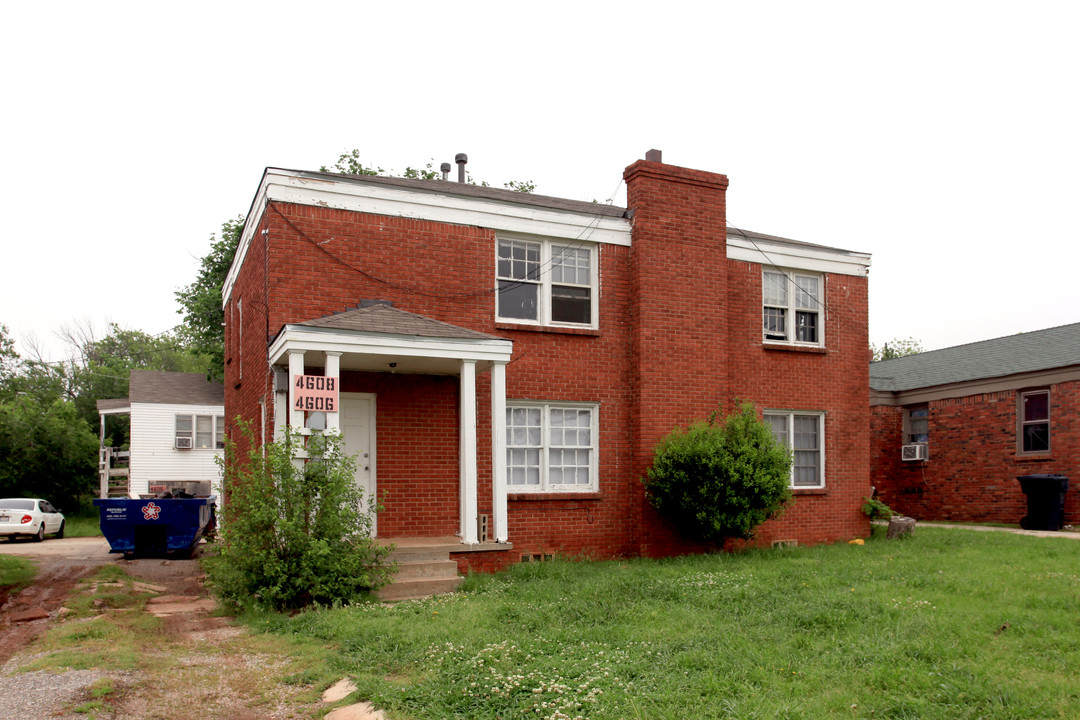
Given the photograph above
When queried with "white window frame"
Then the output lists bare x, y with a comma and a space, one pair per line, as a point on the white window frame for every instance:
217, 439
1022, 423
795, 281
545, 485
550, 249
790, 416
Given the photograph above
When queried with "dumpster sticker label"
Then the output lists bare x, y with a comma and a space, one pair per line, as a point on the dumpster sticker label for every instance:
150, 511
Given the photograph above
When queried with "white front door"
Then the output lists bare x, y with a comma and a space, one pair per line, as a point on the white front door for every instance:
358, 433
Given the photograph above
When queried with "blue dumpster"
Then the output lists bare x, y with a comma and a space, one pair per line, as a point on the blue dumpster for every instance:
155, 526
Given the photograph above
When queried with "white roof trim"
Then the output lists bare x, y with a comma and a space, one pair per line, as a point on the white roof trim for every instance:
797, 256
305, 338
426, 204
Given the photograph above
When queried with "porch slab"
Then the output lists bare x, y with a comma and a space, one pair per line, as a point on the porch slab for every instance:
441, 543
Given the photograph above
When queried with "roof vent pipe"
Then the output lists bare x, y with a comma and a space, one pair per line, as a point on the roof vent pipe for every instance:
445, 167
461, 159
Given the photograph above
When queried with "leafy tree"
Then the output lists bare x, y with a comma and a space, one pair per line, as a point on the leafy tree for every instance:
100, 367
46, 450
203, 327
720, 480
897, 347
10, 362
295, 533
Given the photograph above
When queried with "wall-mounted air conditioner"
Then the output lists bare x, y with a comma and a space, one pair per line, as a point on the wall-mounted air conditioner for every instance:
183, 443
915, 452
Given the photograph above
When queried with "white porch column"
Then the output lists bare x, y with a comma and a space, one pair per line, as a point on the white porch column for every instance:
498, 451
467, 452
296, 367
296, 417
333, 370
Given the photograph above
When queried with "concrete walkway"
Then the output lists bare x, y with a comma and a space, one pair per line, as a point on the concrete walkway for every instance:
1069, 534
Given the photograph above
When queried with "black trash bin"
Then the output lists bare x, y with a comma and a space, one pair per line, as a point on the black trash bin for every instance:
1045, 501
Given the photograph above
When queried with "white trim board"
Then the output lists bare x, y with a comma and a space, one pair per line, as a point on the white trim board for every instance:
422, 204
771, 253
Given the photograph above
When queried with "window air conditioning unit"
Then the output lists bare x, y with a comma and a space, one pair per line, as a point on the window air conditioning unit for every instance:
914, 452
183, 443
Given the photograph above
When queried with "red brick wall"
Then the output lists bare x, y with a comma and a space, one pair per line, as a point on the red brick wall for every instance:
679, 336
246, 351
973, 466
416, 440
834, 380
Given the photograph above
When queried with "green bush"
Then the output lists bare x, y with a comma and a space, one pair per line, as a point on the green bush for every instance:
720, 480
877, 510
294, 532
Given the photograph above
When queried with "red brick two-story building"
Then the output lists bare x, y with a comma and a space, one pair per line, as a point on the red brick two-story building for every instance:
508, 361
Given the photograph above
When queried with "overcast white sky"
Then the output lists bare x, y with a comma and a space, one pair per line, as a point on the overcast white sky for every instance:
942, 137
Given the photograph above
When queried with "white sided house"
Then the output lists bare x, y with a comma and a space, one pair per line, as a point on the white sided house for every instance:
177, 432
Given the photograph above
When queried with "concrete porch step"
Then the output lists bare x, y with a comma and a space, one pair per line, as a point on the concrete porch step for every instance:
417, 588
416, 569
424, 568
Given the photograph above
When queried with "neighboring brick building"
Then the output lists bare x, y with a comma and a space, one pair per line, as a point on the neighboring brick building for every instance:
515, 358
982, 414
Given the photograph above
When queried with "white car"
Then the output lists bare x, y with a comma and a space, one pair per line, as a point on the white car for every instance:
31, 517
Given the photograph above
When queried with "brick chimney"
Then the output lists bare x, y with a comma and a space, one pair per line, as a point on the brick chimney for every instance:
678, 277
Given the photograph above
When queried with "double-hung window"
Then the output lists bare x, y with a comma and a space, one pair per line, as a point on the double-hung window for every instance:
1034, 421
546, 282
551, 448
200, 431
791, 307
804, 434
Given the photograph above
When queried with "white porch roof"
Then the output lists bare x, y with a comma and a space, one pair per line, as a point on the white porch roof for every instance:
374, 336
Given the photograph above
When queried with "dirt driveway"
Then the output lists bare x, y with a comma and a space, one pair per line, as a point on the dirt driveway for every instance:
60, 566
215, 668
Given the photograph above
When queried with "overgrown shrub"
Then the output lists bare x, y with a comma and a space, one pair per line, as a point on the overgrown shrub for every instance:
718, 480
877, 510
294, 533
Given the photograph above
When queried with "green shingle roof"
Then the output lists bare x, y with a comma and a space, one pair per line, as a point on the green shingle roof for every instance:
1026, 352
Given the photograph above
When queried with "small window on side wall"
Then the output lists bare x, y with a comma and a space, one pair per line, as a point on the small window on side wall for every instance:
917, 425
1034, 421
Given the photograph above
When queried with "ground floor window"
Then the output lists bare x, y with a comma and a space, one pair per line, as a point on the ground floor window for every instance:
551, 447
804, 434
200, 431
1035, 421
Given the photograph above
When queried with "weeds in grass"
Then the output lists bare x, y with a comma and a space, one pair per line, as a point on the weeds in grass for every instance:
950, 624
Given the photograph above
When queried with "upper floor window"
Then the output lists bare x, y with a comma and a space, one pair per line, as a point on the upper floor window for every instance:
917, 425
791, 304
546, 282
1034, 421
551, 448
804, 434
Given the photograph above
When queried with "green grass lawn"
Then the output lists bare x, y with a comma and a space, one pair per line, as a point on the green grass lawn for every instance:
15, 573
947, 624
82, 525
